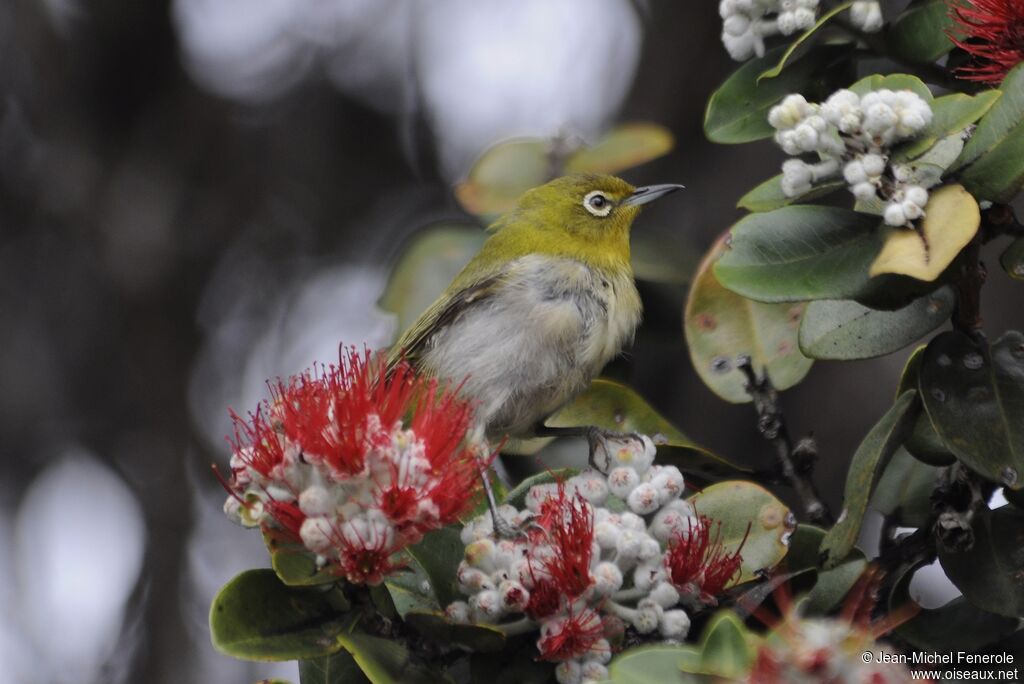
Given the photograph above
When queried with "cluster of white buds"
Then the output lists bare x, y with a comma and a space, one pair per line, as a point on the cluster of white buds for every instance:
746, 23
596, 553
332, 465
852, 136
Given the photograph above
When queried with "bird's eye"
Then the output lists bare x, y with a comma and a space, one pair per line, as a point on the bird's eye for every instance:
597, 203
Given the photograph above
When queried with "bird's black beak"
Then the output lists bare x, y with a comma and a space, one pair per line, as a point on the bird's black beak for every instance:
649, 193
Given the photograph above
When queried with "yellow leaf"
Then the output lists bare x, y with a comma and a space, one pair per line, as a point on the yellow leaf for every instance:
624, 147
951, 219
503, 173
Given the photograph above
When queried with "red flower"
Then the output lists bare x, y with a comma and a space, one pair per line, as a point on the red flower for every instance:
355, 464
992, 32
570, 525
698, 563
571, 636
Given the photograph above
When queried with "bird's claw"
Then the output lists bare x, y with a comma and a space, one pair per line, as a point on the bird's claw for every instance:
597, 440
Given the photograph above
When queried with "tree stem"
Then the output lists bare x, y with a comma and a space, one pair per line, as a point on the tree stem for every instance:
794, 464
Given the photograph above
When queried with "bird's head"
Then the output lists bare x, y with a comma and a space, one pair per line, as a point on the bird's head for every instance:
585, 215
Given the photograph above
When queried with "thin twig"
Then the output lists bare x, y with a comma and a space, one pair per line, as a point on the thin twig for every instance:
794, 464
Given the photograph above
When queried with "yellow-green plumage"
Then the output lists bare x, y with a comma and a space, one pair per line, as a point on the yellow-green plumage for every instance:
544, 305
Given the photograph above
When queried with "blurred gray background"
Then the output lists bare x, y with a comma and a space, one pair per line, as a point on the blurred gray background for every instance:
196, 195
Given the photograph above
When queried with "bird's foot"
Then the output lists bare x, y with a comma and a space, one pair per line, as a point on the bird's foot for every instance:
601, 452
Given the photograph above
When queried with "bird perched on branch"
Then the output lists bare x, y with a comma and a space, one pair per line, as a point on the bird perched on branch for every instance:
539, 311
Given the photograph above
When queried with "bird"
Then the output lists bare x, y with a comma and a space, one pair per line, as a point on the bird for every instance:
540, 310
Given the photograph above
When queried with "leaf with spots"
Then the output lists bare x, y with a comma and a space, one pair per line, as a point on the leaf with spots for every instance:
974, 395
720, 326
845, 330
924, 442
612, 406
738, 503
991, 573
1012, 260
866, 467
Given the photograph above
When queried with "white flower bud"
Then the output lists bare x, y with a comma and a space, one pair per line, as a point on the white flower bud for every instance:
591, 486
917, 195
804, 18
664, 594
593, 671
675, 624
606, 534
600, 652
514, 596
621, 481
632, 521
911, 211
873, 164
743, 47
316, 500
786, 22
646, 619
863, 191
458, 612
629, 544
879, 120
854, 172
643, 499
669, 482
569, 672
788, 142
806, 137
902, 172
736, 25
486, 606
471, 580
867, 16
607, 578
894, 215
316, 534
647, 575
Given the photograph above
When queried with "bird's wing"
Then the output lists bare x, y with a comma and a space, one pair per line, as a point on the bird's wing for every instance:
442, 313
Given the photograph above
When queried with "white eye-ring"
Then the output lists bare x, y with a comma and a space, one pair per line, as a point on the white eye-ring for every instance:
597, 203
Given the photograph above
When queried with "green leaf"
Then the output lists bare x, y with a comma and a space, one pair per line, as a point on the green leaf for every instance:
725, 648
920, 33
257, 617
738, 111
384, 661
295, 566
721, 325
832, 585
800, 253
436, 627
768, 195
1012, 260
654, 665
613, 406
800, 46
903, 493
951, 114
339, 668
428, 262
844, 330
624, 147
974, 395
892, 82
866, 467
951, 220
439, 554
1004, 116
503, 173
410, 589
989, 573
998, 175
736, 504
924, 442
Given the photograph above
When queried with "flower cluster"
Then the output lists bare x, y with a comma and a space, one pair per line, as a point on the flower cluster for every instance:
853, 136
746, 23
597, 552
353, 465
801, 650
992, 33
